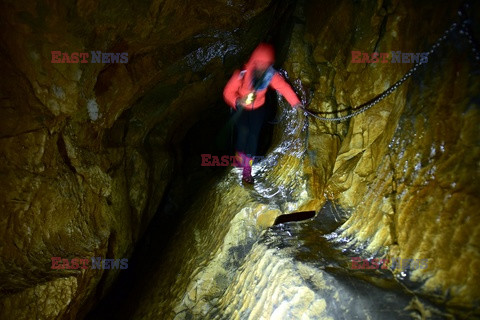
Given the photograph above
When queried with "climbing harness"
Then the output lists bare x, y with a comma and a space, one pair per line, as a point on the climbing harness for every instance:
463, 30
260, 84
264, 81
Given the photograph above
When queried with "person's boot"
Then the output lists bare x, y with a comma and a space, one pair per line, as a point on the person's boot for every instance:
239, 159
247, 170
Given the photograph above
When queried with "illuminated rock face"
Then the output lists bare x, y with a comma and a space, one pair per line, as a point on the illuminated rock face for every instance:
87, 157
408, 168
401, 193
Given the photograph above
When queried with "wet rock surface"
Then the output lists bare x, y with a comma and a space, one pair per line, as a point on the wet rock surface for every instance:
294, 271
103, 160
88, 149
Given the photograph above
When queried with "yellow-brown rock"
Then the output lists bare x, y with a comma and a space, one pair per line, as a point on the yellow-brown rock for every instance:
97, 160
85, 147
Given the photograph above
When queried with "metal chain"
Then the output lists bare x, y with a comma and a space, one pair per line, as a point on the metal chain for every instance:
464, 29
362, 108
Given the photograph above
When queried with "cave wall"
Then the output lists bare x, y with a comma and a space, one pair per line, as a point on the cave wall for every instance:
389, 170
86, 148
404, 173
407, 169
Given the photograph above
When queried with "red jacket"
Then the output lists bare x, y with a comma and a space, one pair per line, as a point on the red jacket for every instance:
240, 84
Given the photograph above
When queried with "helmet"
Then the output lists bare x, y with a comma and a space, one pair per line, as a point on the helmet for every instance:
262, 57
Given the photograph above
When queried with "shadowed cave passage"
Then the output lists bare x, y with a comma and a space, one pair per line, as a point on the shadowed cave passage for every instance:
103, 160
210, 135
211, 132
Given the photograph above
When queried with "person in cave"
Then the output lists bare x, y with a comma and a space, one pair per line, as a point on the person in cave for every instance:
245, 93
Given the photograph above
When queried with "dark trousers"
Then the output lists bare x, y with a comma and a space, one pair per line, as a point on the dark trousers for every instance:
247, 127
